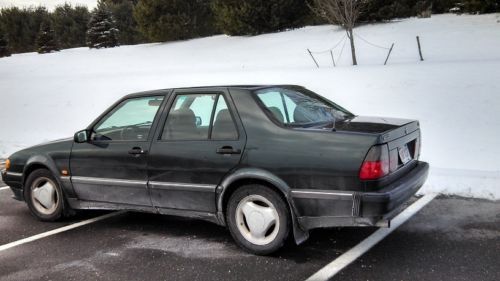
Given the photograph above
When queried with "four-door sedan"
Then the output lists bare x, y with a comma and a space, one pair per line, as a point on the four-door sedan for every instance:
265, 161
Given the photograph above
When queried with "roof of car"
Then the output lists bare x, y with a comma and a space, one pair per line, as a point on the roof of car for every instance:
244, 87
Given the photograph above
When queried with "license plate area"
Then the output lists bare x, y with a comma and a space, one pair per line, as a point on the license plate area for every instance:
404, 154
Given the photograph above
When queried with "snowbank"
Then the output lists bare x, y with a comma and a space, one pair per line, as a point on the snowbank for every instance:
454, 92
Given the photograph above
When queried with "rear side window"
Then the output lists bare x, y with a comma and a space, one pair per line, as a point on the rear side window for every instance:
279, 105
223, 127
199, 117
299, 109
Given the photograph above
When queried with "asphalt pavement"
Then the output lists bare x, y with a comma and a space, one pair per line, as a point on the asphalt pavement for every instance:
450, 239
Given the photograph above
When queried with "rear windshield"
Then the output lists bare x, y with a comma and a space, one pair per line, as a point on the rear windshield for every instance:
300, 107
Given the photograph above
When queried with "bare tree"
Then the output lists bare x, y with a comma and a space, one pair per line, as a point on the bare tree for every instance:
342, 12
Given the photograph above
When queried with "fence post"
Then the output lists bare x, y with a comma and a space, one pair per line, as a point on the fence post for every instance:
333, 60
315, 62
419, 49
389, 54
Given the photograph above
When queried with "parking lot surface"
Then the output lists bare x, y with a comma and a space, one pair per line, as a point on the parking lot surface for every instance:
450, 239
17, 223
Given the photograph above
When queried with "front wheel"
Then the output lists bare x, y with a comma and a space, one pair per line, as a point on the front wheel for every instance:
258, 219
44, 196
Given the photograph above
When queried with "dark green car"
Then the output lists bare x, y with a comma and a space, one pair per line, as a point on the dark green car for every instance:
265, 161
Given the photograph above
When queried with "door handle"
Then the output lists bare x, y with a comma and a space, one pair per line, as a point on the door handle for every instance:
137, 151
228, 150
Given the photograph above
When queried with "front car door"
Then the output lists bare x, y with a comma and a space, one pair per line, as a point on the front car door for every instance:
112, 166
200, 141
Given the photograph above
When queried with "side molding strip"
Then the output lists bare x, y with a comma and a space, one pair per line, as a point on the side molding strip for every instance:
137, 183
183, 186
90, 180
321, 194
65, 179
14, 174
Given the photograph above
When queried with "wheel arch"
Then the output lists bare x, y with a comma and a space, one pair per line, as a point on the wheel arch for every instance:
39, 162
247, 176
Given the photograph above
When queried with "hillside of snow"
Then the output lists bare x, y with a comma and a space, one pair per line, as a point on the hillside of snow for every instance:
454, 92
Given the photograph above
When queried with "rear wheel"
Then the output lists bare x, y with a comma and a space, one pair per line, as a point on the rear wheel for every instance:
44, 196
258, 219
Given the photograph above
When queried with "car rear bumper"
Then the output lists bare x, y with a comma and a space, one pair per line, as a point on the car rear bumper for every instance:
14, 181
326, 208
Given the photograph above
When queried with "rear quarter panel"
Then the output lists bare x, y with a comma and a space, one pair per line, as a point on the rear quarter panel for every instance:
304, 159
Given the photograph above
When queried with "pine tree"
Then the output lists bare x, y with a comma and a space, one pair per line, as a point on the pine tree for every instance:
123, 13
251, 17
23, 25
70, 25
481, 6
4, 45
166, 20
102, 31
46, 42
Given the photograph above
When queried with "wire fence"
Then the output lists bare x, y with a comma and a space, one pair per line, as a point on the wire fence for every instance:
343, 41
343, 47
332, 48
370, 43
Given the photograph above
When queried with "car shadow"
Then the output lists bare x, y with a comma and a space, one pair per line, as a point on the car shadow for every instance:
322, 243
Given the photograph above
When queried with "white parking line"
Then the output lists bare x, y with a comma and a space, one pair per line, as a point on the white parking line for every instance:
4, 187
58, 230
357, 251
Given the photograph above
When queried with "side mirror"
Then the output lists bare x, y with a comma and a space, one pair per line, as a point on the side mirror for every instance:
198, 121
82, 136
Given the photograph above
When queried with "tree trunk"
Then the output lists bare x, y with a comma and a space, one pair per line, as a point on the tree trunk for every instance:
350, 34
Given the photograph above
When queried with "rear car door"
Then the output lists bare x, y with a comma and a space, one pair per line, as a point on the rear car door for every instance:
112, 166
200, 140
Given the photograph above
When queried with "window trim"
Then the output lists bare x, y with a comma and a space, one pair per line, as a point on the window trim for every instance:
168, 107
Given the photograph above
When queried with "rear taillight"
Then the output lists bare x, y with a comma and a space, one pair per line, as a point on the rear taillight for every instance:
376, 164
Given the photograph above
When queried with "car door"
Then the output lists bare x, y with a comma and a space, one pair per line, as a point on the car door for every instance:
112, 166
200, 141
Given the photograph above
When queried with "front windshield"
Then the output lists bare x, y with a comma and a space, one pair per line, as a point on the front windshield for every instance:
301, 107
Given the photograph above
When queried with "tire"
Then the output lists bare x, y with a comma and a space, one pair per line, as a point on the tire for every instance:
256, 205
50, 192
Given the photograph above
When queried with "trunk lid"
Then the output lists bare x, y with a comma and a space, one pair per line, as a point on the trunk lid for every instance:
402, 137
388, 129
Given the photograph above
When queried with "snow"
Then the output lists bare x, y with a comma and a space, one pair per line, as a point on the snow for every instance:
50, 4
454, 92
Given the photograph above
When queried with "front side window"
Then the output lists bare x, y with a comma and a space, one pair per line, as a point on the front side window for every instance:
199, 117
300, 108
131, 120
